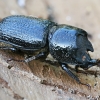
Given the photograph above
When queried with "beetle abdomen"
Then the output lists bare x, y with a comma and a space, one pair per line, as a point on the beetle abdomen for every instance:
25, 32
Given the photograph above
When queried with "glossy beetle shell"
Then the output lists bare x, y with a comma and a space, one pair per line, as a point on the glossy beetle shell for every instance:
26, 33
68, 44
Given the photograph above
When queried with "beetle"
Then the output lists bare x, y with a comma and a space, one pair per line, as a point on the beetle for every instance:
67, 44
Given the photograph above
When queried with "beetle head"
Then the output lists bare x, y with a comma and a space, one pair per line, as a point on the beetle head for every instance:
83, 46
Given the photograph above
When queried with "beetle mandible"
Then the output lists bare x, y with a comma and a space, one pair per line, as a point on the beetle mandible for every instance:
67, 44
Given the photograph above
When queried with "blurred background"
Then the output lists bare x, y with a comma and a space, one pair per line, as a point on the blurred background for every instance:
84, 14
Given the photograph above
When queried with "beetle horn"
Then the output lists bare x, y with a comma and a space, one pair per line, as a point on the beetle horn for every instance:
89, 46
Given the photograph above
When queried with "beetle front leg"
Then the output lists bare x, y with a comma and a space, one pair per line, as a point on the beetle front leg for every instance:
65, 68
89, 64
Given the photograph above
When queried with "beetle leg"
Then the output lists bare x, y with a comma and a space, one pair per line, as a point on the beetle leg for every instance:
41, 54
65, 68
93, 62
8, 48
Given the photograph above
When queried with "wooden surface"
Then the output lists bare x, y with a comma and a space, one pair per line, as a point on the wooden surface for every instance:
40, 80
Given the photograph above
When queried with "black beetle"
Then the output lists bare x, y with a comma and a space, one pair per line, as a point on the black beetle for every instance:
67, 44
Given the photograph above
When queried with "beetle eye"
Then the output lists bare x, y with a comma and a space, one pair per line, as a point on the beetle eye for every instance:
82, 33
